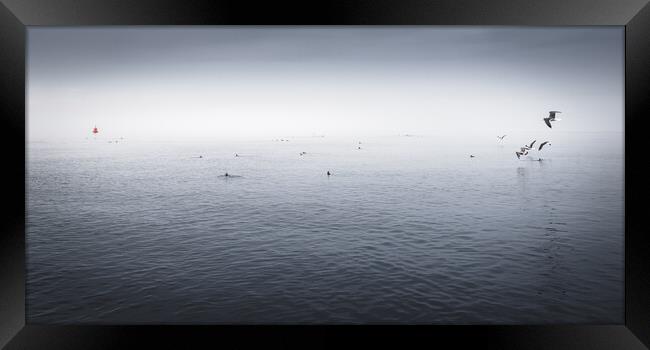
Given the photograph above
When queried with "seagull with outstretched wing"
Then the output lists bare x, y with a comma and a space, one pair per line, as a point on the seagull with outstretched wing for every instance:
522, 153
542, 145
551, 118
531, 144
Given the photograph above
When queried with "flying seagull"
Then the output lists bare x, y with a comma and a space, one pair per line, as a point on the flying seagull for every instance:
542, 145
531, 145
527, 147
551, 118
501, 137
522, 153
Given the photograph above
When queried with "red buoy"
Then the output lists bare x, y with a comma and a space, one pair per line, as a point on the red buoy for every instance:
95, 131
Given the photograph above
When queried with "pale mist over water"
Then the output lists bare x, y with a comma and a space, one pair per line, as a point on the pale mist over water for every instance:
137, 224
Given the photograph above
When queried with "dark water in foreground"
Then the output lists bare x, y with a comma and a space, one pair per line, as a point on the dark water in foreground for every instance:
407, 230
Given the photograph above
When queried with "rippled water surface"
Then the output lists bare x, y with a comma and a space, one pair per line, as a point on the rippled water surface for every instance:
406, 230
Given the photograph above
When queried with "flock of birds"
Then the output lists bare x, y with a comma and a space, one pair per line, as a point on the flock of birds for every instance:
523, 151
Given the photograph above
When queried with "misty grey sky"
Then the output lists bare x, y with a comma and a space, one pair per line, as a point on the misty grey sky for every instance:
202, 82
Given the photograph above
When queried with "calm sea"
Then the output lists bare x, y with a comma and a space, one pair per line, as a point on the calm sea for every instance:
405, 230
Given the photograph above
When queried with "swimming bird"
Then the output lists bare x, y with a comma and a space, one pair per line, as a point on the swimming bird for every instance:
551, 118
471, 156
542, 145
501, 137
229, 176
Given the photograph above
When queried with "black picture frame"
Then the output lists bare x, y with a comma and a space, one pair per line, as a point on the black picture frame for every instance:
16, 15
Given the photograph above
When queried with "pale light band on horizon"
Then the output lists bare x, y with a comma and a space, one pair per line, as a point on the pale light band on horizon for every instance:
203, 82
